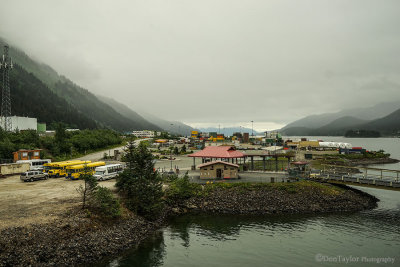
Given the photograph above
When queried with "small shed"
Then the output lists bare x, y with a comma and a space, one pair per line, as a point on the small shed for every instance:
26, 154
218, 170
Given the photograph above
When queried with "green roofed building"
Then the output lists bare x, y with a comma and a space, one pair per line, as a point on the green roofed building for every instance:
41, 127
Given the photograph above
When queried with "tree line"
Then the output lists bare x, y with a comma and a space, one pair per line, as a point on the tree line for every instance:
64, 144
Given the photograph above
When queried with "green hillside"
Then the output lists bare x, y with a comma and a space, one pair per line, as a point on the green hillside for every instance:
128, 113
389, 124
77, 98
169, 126
30, 97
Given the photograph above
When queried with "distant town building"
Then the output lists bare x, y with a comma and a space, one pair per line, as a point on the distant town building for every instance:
245, 137
237, 135
195, 134
144, 134
41, 127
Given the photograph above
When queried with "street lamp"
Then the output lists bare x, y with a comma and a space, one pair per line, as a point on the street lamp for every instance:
170, 151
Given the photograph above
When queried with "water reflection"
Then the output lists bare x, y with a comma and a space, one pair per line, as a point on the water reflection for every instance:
291, 240
150, 253
228, 227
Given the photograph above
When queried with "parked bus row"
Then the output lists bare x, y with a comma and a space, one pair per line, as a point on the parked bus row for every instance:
76, 171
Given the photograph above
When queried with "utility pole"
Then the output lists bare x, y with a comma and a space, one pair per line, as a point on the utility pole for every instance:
6, 65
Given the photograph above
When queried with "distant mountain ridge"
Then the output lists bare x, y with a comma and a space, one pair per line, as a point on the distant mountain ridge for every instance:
170, 126
387, 124
364, 113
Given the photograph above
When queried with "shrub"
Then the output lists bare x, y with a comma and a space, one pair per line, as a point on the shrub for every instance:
106, 203
181, 189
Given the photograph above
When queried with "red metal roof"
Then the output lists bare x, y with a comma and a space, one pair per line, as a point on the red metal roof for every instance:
218, 152
215, 162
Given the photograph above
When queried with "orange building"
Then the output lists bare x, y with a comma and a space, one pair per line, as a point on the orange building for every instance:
26, 154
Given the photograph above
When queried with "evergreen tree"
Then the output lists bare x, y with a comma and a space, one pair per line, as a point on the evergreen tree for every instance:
183, 149
140, 184
89, 187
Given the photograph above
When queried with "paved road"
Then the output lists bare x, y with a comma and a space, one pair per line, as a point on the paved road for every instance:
99, 155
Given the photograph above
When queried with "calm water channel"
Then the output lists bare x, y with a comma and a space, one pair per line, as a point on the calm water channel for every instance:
361, 238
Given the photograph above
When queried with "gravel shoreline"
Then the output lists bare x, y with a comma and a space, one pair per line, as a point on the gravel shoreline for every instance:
78, 239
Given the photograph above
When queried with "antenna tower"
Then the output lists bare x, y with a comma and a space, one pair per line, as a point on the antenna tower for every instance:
5, 66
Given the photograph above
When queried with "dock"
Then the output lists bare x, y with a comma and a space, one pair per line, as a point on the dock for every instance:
376, 177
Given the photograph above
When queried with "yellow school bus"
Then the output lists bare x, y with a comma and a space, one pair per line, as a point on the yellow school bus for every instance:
60, 169
50, 166
74, 172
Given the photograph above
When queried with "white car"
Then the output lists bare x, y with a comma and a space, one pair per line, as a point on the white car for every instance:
31, 176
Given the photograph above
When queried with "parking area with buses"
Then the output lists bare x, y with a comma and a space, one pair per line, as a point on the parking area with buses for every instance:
72, 169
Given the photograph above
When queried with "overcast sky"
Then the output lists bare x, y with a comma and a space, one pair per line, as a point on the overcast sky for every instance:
210, 62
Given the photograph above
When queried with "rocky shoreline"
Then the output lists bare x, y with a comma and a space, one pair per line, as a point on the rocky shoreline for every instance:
271, 200
75, 239
365, 162
79, 238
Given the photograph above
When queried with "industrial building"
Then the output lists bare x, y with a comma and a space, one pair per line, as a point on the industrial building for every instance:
22, 123
145, 134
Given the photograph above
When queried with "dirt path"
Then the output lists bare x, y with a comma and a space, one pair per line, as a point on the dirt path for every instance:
37, 202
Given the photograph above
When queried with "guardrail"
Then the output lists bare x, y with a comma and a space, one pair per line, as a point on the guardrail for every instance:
368, 176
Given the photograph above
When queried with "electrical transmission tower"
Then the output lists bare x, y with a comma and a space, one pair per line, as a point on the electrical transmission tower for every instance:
5, 66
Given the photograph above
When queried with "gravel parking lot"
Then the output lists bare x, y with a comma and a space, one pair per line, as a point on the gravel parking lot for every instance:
22, 203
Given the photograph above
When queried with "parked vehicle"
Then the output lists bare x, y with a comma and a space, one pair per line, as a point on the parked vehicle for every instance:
35, 164
59, 169
75, 171
52, 165
13, 168
31, 176
108, 172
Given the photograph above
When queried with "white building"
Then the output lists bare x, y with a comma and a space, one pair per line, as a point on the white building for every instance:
22, 123
144, 134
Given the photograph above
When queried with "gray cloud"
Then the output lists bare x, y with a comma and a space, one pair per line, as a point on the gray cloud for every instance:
218, 61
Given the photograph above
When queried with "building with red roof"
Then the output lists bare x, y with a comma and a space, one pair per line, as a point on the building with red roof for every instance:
218, 152
215, 153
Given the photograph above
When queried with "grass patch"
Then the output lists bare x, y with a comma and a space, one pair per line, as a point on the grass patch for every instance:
292, 188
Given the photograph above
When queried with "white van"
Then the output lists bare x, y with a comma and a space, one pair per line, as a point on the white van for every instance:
35, 164
108, 172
